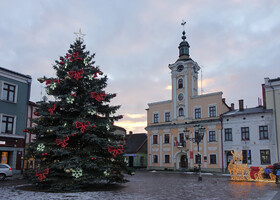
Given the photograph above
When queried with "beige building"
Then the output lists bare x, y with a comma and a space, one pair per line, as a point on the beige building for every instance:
170, 146
272, 101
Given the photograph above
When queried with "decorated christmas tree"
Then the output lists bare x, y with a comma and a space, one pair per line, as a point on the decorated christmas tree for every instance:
75, 146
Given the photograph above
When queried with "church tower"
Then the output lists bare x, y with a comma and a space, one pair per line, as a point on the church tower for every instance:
184, 77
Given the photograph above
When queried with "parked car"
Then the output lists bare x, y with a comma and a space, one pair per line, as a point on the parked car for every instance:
5, 171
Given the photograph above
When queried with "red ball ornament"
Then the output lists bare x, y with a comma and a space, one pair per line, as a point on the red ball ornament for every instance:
46, 154
114, 95
121, 117
37, 114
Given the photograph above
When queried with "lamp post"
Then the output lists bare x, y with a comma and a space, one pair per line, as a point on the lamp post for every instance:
198, 137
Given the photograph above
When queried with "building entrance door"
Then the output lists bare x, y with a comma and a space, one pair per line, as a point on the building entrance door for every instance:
130, 164
184, 162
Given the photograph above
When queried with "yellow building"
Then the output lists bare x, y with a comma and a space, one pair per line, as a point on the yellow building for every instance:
170, 146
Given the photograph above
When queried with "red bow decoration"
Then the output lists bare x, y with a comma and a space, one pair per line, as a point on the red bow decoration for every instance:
72, 57
52, 109
42, 175
48, 82
98, 96
68, 56
61, 142
116, 150
25, 130
76, 74
83, 126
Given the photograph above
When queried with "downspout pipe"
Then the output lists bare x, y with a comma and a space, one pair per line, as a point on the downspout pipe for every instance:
275, 117
222, 145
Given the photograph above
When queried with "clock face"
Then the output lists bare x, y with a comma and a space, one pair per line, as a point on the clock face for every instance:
180, 68
180, 96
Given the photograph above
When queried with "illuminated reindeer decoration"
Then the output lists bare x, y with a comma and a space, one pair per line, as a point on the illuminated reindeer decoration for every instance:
241, 172
238, 172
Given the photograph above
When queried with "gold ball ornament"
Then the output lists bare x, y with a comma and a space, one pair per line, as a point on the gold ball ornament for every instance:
67, 170
67, 77
101, 73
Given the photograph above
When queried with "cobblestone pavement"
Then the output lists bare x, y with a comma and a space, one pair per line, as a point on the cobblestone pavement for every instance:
158, 185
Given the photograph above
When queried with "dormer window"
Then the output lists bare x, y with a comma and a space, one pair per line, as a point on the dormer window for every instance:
180, 83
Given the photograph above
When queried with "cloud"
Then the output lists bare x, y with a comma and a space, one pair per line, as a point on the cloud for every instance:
135, 127
134, 42
135, 116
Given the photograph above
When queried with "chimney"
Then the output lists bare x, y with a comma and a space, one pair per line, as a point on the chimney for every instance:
263, 96
224, 100
130, 133
232, 106
241, 104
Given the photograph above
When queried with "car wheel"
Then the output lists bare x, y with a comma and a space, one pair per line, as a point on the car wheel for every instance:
2, 177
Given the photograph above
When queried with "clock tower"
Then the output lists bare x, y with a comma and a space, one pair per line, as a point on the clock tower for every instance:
184, 77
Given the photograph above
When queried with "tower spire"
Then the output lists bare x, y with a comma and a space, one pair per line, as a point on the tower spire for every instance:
184, 45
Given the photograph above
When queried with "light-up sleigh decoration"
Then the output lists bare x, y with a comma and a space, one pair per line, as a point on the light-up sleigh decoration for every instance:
241, 172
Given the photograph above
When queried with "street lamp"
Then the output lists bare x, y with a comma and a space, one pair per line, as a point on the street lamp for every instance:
198, 137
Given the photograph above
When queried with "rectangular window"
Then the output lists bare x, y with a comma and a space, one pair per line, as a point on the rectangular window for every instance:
212, 111
212, 136
155, 159
181, 140
265, 157
166, 159
166, 139
245, 133
246, 154
263, 130
155, 137
167, 116
9, 92
7, 124
197, 113
213, 159
228, 134
156, 118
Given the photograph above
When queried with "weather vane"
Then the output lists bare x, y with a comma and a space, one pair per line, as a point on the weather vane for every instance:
79, 35
183, 24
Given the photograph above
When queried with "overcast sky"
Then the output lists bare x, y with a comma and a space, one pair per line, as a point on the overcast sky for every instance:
236, 42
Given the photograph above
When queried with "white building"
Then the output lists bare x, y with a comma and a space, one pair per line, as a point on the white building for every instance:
251, 131
271, 95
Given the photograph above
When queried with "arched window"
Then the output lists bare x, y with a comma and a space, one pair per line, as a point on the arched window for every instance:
180, 83
181, 112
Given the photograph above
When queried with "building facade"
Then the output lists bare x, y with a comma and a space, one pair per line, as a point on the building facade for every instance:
250, 131
136, 150
14, 97
271, 95
170, 146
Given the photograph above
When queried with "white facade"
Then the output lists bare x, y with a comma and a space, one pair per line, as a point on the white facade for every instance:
254, 121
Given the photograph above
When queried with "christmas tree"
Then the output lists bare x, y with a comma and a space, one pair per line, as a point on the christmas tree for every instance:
75, 146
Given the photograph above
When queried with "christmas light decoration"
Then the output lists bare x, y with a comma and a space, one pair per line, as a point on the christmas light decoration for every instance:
41, 147
78, 172
241, 172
